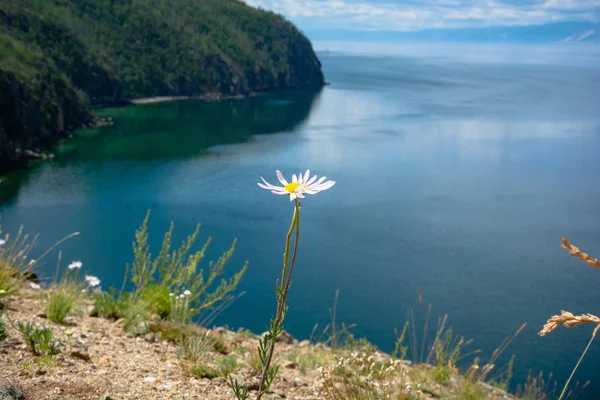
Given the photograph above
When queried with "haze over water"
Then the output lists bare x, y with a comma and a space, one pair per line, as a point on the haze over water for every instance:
458, 171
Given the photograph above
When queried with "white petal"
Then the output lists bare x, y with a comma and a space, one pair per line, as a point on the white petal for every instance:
267, 183
314, 178
292, 196
294, 178
300, 178
316, 184
326, 185
300, 195
268, 186
307, 174
278, 193
281, 178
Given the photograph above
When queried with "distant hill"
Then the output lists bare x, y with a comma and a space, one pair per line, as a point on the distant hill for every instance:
547, 33
59, 57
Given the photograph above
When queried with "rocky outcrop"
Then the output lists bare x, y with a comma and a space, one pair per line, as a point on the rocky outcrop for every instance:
31, 119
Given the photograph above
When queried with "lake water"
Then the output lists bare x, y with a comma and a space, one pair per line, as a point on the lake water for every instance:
458, 173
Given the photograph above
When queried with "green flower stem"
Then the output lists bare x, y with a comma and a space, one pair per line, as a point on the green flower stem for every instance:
289, 278
286, 278
287, 243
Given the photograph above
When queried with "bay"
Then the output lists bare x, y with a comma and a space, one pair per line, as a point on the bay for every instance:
458, 172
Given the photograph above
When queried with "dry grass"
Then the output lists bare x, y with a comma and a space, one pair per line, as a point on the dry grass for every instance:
360, 377
575, 252
569, 320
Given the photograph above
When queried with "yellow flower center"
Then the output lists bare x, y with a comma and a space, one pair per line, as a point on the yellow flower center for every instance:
291, 187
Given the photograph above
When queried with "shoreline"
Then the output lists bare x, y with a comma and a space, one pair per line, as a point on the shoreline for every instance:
205, 97
158, 99
20, 158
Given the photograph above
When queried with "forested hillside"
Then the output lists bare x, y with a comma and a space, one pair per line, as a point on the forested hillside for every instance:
58, 57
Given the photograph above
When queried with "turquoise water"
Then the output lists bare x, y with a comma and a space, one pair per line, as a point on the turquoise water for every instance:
457, 174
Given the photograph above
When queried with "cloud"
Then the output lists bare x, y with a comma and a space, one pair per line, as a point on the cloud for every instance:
587, 34
408, 15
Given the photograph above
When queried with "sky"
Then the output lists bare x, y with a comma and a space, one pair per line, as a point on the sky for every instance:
314, 16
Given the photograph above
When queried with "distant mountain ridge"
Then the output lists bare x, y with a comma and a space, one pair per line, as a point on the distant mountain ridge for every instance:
587, 32
60, 57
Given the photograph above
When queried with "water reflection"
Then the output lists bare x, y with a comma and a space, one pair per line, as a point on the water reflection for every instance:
171, 131
185, 129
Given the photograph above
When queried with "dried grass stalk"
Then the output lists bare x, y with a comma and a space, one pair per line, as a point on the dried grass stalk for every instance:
569, 321
575, 252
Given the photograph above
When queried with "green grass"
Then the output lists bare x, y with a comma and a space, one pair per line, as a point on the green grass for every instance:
227, 365
42, 363
14, 261
61, 300
39, 341
3, 332
109, 305
254, 362
193, 348
311, 358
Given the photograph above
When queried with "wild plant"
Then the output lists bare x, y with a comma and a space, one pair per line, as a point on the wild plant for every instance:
334, 334
16, 265
175, 271
39, 341
65, 294
3, 331
538, 387
60, 300
569, 320
440, 348
360, 377
310, 358
296, 189
193, 348
224, 367
180, 308
109, 304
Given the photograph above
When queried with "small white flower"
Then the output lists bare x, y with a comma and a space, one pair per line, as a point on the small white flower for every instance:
75, 265
31, 262
298, 187
171, 294
181, 296
92, 281
187, 293
2, 242
34, 285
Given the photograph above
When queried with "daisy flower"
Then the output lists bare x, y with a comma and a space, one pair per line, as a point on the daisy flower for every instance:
34, 286
299, 186
187, 293
92, 281
75, 265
